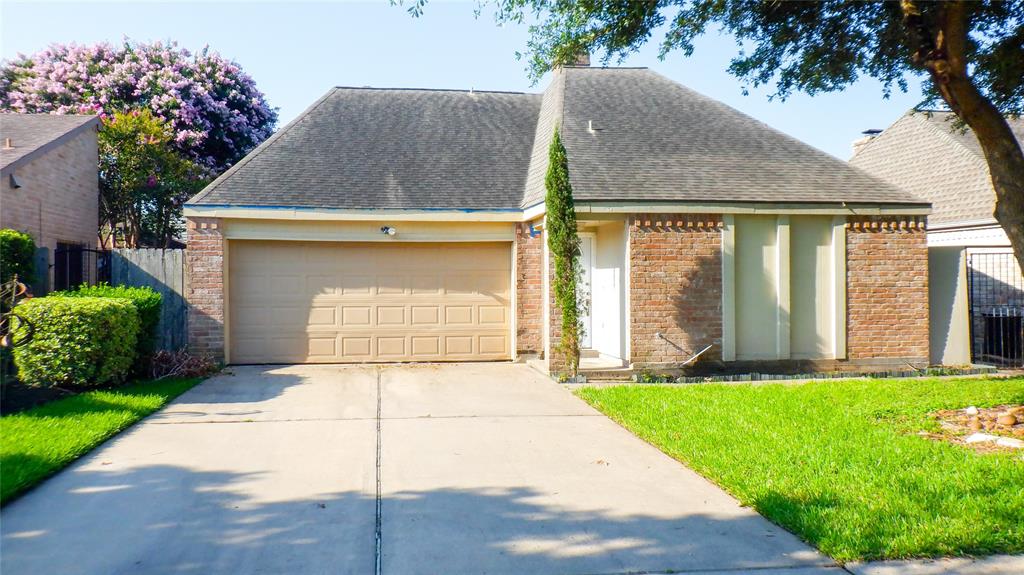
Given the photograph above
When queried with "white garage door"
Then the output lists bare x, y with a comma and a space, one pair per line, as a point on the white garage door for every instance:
325, 302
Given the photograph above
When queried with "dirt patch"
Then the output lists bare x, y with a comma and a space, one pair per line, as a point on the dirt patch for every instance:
981, 427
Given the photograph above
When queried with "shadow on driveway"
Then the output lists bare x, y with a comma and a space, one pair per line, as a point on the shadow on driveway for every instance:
171, 519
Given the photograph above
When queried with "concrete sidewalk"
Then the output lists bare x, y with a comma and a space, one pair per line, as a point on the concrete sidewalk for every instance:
996, 565
477, 468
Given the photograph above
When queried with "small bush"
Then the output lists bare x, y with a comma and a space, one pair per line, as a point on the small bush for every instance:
17, 256
77, 342
147, 303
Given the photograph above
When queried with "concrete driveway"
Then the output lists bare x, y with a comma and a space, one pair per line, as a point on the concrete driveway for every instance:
473, 468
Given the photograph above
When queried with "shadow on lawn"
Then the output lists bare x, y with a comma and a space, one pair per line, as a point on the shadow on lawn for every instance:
164, 518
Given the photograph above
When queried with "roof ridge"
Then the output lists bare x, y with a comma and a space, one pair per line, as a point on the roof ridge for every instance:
260, 148
46, 115
466, 91
575, 67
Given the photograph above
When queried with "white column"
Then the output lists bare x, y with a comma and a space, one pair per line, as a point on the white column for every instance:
839, 287
782, 287
728, 288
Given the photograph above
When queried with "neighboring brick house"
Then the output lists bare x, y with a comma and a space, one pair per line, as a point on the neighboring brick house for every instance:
50, 181
973, 269
408, 225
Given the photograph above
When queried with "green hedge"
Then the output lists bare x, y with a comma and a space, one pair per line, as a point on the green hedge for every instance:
147, 303
17, 256
78, 342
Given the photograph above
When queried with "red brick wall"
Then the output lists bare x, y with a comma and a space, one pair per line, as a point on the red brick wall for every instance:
556, 361
204, 265
887, 288
529, 291
675, 279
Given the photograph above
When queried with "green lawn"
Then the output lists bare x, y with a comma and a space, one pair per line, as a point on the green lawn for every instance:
37, 443
838, 462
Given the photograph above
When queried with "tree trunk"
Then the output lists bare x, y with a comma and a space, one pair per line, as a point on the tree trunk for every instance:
943, 52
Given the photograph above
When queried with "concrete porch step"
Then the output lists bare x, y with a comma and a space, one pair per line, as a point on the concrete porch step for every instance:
608, 374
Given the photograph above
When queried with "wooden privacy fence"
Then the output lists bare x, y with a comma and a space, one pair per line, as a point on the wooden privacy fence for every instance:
164, 271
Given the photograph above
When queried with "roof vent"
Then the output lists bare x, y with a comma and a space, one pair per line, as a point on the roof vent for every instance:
8, 144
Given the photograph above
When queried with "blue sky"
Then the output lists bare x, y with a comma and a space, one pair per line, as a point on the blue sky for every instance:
296, 51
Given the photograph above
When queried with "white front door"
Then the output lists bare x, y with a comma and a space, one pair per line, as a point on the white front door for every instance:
584, 291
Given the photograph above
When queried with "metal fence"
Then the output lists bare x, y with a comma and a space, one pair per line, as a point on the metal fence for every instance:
996, 308
74, 265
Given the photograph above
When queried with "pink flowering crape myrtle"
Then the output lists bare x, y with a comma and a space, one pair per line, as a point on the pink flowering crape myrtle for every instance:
214, 108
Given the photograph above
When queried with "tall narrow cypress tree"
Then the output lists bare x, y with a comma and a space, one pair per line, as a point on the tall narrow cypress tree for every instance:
564, 246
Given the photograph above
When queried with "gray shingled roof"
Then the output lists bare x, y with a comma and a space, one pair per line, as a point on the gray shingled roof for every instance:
31, 133
653, 140
390, 148
928, 155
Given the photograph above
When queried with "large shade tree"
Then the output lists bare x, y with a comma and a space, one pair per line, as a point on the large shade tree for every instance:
214, 110
971, 54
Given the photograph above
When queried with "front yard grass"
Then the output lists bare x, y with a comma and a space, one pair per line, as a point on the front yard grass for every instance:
43, 440
839, 462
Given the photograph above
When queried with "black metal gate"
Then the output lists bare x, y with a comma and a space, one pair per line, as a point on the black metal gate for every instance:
996, 307
74, 265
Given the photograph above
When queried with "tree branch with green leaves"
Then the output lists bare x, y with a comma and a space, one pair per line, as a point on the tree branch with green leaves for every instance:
969, 54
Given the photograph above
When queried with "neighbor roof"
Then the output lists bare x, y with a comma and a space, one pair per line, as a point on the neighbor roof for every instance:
946, 124
630, 135
35, 133
930, 155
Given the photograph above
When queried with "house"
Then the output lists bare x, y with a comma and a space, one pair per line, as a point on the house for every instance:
977, 287
408, 225
50, 186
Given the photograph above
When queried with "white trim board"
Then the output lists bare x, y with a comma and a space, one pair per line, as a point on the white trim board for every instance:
531, 213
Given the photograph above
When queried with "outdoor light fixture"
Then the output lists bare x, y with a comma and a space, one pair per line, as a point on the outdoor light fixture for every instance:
388, 231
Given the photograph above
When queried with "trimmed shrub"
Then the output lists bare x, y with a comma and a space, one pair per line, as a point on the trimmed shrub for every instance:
17, 256
77, 342
147, 303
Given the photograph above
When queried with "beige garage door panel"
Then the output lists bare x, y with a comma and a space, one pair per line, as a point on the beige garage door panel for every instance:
322, 302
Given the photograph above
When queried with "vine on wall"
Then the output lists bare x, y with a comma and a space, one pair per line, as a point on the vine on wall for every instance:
564, 246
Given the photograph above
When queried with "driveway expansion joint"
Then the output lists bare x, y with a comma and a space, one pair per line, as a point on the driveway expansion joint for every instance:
377, 538
722, 571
